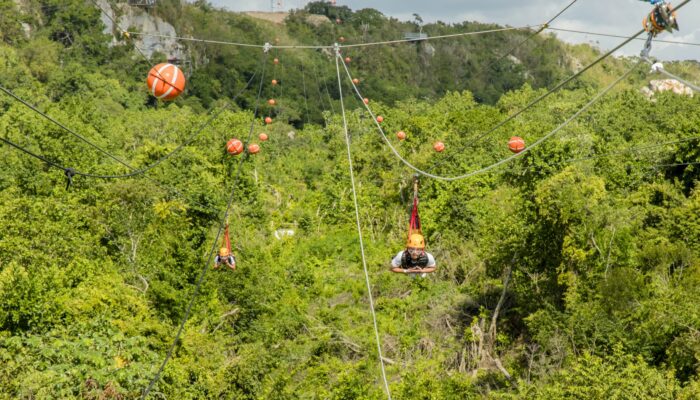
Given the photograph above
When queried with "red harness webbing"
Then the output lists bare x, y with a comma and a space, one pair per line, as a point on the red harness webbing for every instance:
227, 241
414, 222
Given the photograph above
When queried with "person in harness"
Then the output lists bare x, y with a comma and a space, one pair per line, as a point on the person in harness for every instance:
414, 260
225, 257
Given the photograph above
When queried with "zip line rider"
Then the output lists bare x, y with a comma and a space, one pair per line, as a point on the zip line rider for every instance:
225, 257
414, 260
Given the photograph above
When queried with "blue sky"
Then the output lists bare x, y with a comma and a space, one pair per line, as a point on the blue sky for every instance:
620, 17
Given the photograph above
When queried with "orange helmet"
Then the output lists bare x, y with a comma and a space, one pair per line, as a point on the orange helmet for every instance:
223, 252
416, 240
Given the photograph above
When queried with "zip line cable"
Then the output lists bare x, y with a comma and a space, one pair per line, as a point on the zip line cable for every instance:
276, 90
534, 102
127, 35
328, 93
658, 67
503, 161
282, 72
639, 149
628, 150
71, 172
315, 47
359, 230
478, 138
62, 126
209, 41
318, 85
205, 268
540, 28
436, 37
135, 171
676, 165
532, 35
542, 97
42, 158
681, 80
322, 101
328, 47
619, 36
347, 138
124, 33
560, 13
303, 82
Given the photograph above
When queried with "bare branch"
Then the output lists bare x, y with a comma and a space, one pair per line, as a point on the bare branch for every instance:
145, 283
388, 360
223, 319
607, 261
496, 311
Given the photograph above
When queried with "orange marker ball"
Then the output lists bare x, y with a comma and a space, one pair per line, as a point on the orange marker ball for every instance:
401, 135
347, 59
268, 120
276, 61
516, 144
439, 146
356, 81
253, 148
274, 82
262, 137
365, 100
272, 102
234, 147
380, 119
166, 81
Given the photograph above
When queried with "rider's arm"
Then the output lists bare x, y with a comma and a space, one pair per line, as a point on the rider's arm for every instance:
431, 265
428, 269
401, 270
396, 264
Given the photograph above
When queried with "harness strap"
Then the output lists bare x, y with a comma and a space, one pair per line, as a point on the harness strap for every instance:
414, 223
227, 241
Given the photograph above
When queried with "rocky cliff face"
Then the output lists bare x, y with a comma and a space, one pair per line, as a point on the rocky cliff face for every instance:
665, 85
137, 19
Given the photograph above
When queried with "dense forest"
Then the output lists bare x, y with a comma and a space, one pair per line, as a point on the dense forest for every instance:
572, 272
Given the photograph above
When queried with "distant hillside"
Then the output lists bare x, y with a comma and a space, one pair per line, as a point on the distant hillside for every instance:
389, 73
276, 17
